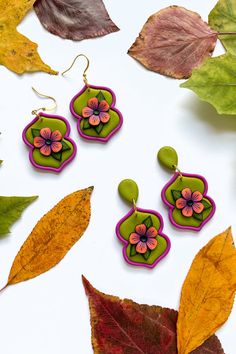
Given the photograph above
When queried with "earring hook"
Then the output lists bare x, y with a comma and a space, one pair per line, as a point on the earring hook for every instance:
35, 111
84, 73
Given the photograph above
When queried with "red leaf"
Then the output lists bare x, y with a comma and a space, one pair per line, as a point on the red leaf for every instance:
75, 19
173, 42
125, 327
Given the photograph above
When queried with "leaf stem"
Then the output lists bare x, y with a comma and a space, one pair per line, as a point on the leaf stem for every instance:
226, 33
4, 288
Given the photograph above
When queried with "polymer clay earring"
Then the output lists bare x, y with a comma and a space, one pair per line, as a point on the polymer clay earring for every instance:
94, 107
47, 137
141, 231
185, 195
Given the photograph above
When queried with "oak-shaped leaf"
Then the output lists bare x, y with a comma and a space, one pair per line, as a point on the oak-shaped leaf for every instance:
17, 52
223, 19
215, 82
11, 209
208, 293
123, 326
75, 19
52, 237
173, 42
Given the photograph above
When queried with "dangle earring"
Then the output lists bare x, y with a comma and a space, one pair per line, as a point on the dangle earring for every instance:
141, 231
47, 137
185, 195
94, 107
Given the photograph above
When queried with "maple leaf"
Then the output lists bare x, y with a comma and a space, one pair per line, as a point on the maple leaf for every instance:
173, 42
215, 82
208, 292
17, 52
75, 19
123, 326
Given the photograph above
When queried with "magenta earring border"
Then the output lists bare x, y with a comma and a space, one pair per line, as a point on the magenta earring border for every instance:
46, 168
112, 106
127, 243
172, 207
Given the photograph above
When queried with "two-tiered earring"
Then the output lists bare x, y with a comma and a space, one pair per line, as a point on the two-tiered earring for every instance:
185, 195
94, 107
47, 137
141, 231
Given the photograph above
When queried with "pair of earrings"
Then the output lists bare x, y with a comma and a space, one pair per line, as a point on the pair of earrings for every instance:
141, 230
47, 136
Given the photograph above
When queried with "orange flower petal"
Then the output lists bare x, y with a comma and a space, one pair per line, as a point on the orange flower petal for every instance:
141, 247
151, 232
46, 133
103, 106
180, 203
187, 193
151, 243
38, 142
198, 207
93, 103
187, 211
56, 135
46, 150
94, 120
134, 238
105, 117
197, 196
141, 229
56, 146
87, 112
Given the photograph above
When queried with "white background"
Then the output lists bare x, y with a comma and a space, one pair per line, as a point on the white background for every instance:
49, 314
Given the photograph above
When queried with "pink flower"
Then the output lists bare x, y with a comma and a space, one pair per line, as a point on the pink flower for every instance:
96, 111
190, 203
48, 141
144, 238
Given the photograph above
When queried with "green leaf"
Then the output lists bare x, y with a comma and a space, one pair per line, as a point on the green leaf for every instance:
147, 254
223, 19
86, 124
215, 82
57, 155
99, 127
35, 132
100, 96
133, 251
206, 204
176, 194
148, 222
198, 216
65, 146
11, 209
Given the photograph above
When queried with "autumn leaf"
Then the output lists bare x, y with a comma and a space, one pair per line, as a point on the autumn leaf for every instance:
208, 293
215, 82
223, 19
75, 19
174, 41
52, 237
123, 326
11, 209
17, 52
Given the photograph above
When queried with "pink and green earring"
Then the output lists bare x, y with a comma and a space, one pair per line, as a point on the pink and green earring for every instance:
140, 230
47, 137
94, 108
185, 195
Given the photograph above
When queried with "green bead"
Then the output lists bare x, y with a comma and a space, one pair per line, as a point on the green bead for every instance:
128, 190
168, 157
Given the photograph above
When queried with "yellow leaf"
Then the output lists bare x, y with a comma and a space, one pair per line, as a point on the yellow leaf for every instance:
208, 293
52, 237
17, 52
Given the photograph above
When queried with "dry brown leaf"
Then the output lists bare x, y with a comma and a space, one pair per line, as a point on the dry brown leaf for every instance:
17, 52
173, 42
208, 293
52, 237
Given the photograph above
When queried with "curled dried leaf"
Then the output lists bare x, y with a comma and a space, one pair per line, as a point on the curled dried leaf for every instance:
17, 52
75, 19
208, 293
52, 237
123, 326
173, 42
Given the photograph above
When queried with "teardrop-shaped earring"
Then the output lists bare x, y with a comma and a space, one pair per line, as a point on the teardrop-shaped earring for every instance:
141, 231
47, 137
185, 195
94, 107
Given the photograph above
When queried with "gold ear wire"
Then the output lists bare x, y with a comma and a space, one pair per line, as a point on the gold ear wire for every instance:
35, 111
84, 73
